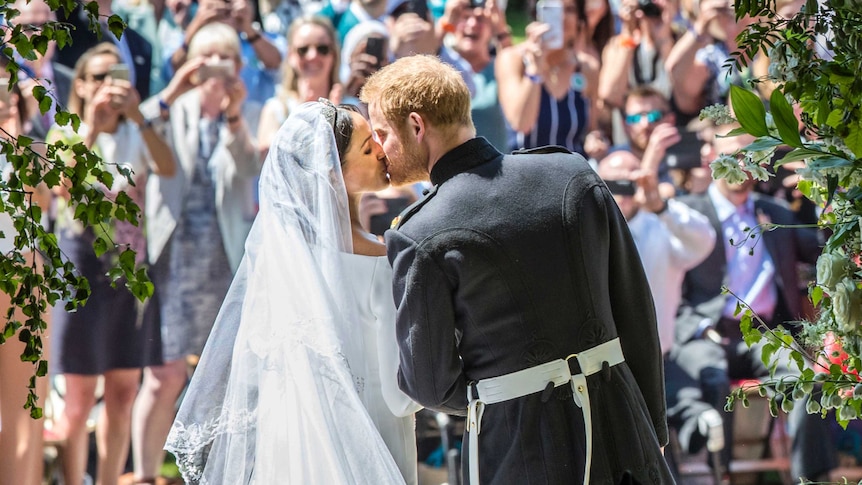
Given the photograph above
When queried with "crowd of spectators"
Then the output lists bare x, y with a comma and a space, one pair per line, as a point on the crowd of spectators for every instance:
203, 86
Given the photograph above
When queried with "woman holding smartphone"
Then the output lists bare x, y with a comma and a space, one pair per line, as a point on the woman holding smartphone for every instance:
309, 72
108, 336
545, 81
198, 222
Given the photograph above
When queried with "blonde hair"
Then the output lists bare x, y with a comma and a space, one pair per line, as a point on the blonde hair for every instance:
220, 35
289, 76
422, 84
76, 103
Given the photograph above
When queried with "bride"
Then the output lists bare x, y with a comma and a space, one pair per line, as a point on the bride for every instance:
297, 383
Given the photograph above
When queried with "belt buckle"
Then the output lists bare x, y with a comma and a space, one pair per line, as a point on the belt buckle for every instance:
574, 365
576, 371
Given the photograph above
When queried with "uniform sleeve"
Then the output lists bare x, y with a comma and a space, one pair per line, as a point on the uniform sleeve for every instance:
615, 281
636, 324
430, 367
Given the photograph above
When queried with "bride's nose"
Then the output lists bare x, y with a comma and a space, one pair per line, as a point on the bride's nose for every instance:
378, 150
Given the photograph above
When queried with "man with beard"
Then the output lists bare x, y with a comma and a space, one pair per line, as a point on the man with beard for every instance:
758, 267
521, 300
650, 128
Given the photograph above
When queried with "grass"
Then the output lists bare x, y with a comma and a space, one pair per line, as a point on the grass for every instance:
518, 20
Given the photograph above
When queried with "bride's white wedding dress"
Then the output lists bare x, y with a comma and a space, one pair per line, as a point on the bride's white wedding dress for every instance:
390, 409
289, 389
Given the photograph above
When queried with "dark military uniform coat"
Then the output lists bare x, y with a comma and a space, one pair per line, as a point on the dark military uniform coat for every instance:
514, 261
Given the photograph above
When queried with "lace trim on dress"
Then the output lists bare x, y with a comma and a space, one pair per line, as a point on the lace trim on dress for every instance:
190, 444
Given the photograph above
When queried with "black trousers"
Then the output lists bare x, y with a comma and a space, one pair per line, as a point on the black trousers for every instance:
700, 372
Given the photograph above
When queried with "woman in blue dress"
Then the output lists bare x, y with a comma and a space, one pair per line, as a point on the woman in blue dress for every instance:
544, 90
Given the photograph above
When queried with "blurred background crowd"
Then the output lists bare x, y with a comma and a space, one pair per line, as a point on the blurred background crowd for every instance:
192, 94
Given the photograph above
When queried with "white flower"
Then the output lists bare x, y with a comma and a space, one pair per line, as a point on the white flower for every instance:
718, 114
831, 269
728, 168
757, 171
847, 305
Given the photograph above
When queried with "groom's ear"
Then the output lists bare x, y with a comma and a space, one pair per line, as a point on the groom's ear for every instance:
416, 125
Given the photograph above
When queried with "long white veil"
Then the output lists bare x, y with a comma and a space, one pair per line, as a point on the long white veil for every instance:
274, 398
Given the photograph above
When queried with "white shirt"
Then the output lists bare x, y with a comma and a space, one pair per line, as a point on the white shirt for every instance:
670, 244
750, 269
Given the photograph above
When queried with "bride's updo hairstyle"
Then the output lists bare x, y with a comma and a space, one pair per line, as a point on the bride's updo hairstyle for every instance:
342, 124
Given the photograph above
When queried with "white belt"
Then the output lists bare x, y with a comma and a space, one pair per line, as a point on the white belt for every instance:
535, 379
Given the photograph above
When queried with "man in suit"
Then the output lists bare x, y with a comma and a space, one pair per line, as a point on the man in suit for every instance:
759, 267
509, 265
135, 50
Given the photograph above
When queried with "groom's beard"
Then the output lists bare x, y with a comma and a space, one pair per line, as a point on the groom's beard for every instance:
409, 166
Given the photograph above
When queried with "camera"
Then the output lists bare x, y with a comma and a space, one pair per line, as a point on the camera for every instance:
649, 8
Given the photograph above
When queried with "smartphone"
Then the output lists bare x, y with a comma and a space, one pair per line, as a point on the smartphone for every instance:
119, 71
419, 7
224, 69
551, 12
374, 47
685, 154
381, 222
622, 187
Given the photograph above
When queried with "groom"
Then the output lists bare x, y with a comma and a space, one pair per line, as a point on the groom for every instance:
522, 302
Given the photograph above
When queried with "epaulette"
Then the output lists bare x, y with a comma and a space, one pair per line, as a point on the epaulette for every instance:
413, 208
541, 150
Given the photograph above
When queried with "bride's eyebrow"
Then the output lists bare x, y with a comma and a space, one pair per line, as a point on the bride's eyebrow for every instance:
365, 142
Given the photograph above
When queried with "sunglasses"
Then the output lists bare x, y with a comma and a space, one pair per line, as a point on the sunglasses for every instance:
651, 117
100, 77
321, 49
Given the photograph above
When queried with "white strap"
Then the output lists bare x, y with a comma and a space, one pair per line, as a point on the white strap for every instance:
523, 382
535, 379
591, 360
581, 395
474, 422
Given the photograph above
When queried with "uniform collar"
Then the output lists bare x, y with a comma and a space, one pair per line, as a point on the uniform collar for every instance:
462, 158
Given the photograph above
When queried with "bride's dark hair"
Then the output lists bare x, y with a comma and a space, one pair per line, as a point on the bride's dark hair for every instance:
342, 124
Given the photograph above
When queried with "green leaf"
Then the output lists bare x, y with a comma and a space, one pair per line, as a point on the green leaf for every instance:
829, 161
749, 111
39, 92
100, 247
853, 140
116, 26
24, 141
51, 178
734, 132
798, 154
785, 120
45, 104
762, 143
831, 187
768, 350
62, 118
127, 260
816, 295
839, 236
40, 43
